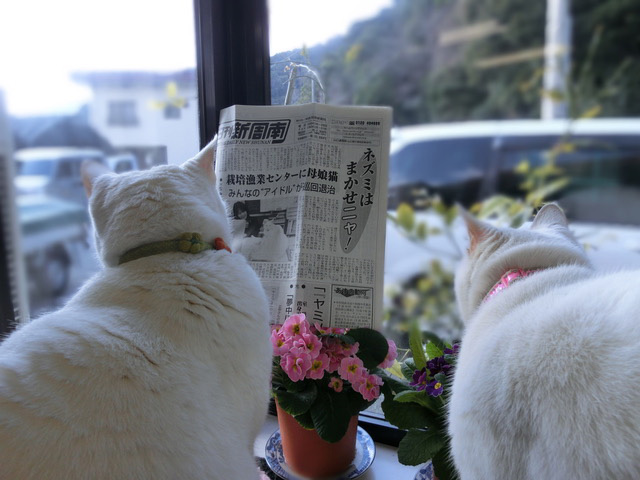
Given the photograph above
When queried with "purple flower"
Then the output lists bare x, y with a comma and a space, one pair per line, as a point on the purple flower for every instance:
434, 388
453, 350
419, 379
437, 365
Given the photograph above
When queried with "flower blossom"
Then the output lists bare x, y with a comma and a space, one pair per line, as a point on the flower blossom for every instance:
419, 379
280, 344
310, 343
392, 354
369, 386
296, 363
318, 366
295, 325
351, 369
434, 388
336, 384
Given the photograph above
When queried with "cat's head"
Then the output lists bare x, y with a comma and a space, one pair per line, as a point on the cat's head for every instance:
544, 243
134, 208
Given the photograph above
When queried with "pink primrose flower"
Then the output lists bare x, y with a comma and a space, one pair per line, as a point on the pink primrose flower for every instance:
336, 383
392, 354
296, 363
334, 361
309, 342
280, 345
351, 368
370, 387
348, 350
322, 330
295, 325
318, 366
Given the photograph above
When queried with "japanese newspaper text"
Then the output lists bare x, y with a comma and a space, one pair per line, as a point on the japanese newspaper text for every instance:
306, 187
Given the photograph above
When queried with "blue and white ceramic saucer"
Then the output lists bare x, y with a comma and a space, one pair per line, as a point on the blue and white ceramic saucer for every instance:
365, 452
425, 472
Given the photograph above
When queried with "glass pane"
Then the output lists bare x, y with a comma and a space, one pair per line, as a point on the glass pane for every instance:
479, 110
113, 82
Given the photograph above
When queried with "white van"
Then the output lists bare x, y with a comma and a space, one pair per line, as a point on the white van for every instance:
53, 171
468, 162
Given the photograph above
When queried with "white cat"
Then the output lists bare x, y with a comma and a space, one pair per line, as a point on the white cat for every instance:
547, 384
158, 368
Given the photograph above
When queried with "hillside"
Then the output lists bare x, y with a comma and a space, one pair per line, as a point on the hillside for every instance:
398, 59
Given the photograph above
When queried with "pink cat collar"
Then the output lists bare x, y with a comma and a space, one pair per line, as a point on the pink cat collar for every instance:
507, 279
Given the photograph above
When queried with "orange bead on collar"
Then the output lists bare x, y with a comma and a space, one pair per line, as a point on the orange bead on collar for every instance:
220, 244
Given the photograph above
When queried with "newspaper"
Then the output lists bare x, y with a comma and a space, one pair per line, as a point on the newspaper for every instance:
307, 191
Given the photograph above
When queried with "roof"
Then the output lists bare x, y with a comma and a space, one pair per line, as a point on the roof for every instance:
130, 79
38, 153
599, 126
57, 130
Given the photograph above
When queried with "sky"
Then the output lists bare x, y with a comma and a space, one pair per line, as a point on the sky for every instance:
43, 41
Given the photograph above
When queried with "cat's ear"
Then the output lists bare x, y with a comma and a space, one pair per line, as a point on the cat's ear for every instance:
206, 159
550, 215
477, 229
90, 170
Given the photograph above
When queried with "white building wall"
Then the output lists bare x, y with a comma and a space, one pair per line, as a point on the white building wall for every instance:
180, 135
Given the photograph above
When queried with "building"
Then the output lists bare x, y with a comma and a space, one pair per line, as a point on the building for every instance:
152, 114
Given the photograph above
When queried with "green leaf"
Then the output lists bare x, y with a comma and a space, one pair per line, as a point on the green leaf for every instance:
418, 446
408, 368
331, 415
343, 338
415, 344
443, 466
405, 216
394, 383
297, 403
373, 346
539, 194
406, 415
420, 398
356, 402
433, 351
436, 340
305, 420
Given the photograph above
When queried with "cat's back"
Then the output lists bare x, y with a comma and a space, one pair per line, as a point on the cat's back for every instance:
548, 376
134, 366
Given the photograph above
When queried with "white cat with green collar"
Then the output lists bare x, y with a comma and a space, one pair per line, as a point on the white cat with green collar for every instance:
158, 368
547, 384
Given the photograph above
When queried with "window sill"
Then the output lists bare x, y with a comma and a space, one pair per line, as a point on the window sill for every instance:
384, 467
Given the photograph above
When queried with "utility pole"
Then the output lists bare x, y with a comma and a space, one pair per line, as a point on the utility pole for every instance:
557, 59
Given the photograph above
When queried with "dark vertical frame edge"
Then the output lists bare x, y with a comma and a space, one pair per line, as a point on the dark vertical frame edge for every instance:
233, 61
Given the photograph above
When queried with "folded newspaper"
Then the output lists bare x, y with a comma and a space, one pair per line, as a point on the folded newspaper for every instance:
307, 187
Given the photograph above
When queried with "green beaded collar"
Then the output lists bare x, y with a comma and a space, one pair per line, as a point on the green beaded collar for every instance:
187, 243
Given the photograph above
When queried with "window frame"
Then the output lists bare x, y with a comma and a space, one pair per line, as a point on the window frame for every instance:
233, 67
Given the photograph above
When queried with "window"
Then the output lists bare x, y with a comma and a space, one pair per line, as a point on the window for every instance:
99, 100
122, 113
473, 96
171, 112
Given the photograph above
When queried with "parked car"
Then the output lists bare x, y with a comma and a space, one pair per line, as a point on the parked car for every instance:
123, 162
468, 162
53, 171
50, 227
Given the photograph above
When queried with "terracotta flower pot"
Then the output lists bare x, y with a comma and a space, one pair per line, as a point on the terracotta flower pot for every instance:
311, 456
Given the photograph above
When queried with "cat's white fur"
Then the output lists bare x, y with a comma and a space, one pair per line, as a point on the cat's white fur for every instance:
547, 385
157, 368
